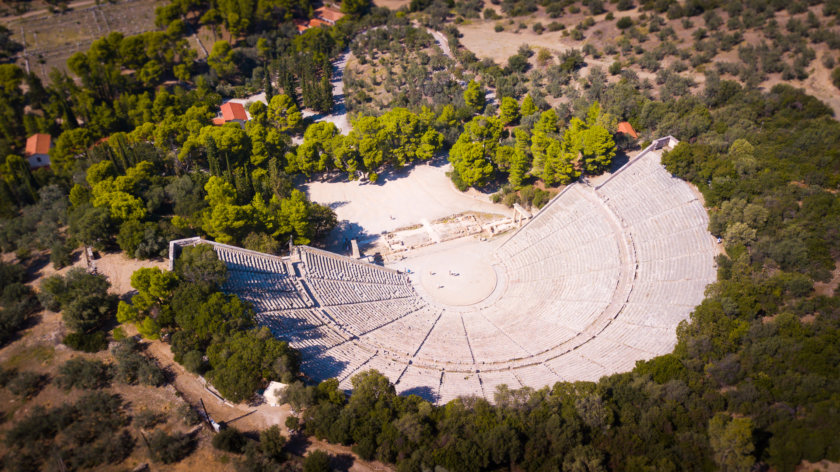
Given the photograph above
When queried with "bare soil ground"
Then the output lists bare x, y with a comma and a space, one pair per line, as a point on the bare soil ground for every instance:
480, 37
392, 4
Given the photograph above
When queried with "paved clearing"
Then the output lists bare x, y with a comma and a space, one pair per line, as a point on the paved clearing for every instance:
400, 199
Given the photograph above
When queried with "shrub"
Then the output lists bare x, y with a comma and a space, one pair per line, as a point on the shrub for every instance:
498, 28
188, 415
93, 342
6, 376
27, 384
61, 255
148, 419
272, 443
230, 440
538, 28
317, 461
169, 449
835, 77
194, 362
624, 5
83, 373
293, 423
134, 367
624, 22
556, 26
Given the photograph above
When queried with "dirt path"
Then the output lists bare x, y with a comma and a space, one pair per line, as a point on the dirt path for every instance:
338, 117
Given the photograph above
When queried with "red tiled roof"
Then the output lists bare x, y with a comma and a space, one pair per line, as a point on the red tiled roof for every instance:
38, 144
627, 128
328, 14
316, 22
234, 111
218, 121
302, 25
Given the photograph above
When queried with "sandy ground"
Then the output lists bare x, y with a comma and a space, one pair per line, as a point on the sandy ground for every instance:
118, 268
453, 273
399, 199
480, 38
392, 4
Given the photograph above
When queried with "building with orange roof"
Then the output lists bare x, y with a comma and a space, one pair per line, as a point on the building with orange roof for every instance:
38, 150
232, 111
626, 128
301, 25
330, 15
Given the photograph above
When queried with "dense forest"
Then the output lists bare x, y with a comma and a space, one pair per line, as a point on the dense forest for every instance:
754, 380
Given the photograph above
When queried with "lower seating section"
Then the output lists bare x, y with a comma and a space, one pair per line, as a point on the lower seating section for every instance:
419, 381
597, 281
459, 384
265, 291
359, 318
492, 379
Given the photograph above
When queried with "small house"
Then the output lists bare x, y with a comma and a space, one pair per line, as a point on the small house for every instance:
231, 111
38, 150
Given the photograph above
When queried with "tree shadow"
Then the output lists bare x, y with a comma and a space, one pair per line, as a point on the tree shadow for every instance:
35, 265
298, 444
621, 158
319, 367
342, 462
425, 392
338, 240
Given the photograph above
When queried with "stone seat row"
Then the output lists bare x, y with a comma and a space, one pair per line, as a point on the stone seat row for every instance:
235, 259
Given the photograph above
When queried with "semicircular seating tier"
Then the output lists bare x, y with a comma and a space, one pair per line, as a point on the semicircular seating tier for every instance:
597, 280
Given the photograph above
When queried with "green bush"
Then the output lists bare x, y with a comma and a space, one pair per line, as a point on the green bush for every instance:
61, 255
133, 367
148, 419
169, 449
556, 26
27, 384
317, 461
230, 440
93, 342
83, 373
193, 361
272, 443
188, 415
624, 22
